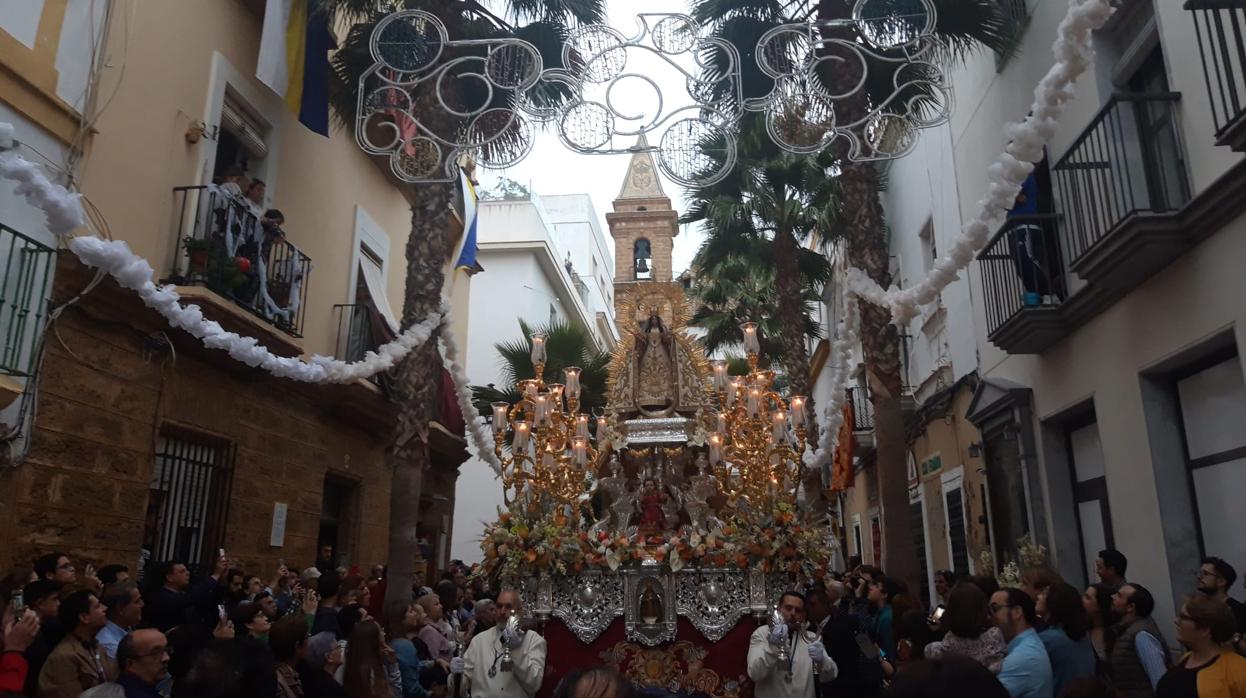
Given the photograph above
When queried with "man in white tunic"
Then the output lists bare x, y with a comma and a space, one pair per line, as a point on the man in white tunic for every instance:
793, 677
483, 668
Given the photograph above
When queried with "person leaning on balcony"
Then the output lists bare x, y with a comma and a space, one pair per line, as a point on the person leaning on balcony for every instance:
1210, 669
78, 662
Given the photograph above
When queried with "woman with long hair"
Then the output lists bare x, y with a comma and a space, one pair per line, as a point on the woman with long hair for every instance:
404, 631
969, 631
1067, 636
1098, 604
369, 661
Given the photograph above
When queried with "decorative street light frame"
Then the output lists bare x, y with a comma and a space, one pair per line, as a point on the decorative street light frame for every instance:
411, 50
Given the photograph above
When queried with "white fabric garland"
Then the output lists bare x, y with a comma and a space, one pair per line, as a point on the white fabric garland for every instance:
484, 443
1074, 54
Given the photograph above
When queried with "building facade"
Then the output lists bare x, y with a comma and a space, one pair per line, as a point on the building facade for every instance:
544, 260
1102, 401
131, 441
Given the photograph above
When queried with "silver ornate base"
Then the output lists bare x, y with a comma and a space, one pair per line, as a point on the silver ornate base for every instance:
651, 598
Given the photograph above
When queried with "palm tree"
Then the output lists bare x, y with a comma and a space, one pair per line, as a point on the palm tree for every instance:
763, 214
743, 288
566, 345
962, 26
428, 247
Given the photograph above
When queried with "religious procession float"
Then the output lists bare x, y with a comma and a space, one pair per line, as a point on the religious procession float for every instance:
655, 537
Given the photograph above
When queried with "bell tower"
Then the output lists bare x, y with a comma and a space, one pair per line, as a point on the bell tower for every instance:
643, 225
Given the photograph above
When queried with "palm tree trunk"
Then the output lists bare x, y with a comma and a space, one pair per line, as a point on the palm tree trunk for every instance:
868, 251
416, 385
792, 323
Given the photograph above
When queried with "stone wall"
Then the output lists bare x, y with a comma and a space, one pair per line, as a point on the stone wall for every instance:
115, 376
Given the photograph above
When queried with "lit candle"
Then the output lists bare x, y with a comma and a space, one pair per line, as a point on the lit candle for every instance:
572, 376
778, 424
581, 426
542, 406
499, 416
715, 449
555, 398
732, 388
601, 427
579, 447
530, 390
722, 424
751, 345
720, 376
798, 411
754, 398
538, 349
520, 443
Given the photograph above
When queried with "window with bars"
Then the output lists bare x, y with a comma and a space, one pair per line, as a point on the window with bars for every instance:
188, 501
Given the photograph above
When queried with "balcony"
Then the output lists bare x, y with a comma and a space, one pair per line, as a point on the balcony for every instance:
223, 246
1023, 284
1219, 25
1120, 187
25, 287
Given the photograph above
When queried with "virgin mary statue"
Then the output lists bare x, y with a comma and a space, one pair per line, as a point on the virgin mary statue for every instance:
655, 375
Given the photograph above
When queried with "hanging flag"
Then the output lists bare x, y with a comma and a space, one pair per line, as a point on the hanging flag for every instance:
841, 467
294, 60
467, 255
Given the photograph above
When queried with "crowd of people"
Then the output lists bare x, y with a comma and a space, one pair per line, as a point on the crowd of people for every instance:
325, 632
319, 633
862, 632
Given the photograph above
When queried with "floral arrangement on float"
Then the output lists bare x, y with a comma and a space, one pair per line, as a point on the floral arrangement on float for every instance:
525, 544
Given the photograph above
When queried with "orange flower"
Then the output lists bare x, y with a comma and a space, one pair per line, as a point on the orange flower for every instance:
560, 519
720, 560
788, 551
505, 517
756, 549
491, 553
659, 554
741, 560
530, 556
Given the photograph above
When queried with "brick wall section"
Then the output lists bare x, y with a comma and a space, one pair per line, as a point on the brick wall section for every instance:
84, 487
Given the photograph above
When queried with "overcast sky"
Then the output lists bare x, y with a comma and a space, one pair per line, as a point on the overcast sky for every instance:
552, 168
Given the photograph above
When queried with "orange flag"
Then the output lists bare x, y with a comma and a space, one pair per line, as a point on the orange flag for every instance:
841, 465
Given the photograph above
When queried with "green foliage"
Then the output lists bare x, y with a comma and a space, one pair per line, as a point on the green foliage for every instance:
566, 345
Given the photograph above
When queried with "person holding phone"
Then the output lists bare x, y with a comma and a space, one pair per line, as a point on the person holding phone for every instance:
177, 602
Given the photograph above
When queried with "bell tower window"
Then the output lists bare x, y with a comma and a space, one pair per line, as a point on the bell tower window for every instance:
642, 260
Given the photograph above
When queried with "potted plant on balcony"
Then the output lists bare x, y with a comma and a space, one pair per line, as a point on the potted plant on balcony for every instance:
197, 252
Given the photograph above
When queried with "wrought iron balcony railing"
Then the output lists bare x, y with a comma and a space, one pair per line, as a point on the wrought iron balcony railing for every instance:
1220, 26
862, 409
224, 245
1022, 267
1128, 161
25, 288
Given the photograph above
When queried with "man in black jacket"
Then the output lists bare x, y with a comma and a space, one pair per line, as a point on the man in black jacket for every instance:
178, 603
860, 675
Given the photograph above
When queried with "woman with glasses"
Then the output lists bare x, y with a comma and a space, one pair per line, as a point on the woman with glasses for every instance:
1209, 669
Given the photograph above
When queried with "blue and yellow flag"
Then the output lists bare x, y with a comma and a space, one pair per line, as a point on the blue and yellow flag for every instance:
294, 60
467, 257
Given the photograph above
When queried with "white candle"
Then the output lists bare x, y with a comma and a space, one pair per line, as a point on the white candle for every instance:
732, 388
520, 443
529, 390
751, 344
722, 424
720, 376
572, 376
538, 349
753, 399
778, 424
499, 417
715, 449
581, 426
555, 398
601, 428
542, 407
579, 447
798, 411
